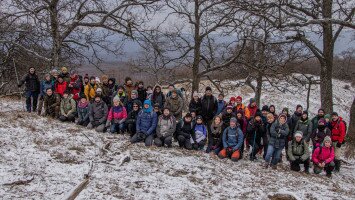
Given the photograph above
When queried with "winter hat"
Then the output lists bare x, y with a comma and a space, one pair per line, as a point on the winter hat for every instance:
54, 71
86, 76
156, 105
298, 106
327, 139
174, 91
98, 90
321, 121
199, 117
104, 77
208, 88
272, 106
98, 95
321, 109
73, 72
116, 98
64, 69
334, 114
327, 116
233, 119
298, 133
92, 78
258, 113
305, 112
265, 108
232, 99
221, 94
195, 94
229, 107
97, 79
134, 92
252, 100
47, 75
188, 115
240, 111
120, 87
239, 98
283, 115
285, 109
127, 79
66, 92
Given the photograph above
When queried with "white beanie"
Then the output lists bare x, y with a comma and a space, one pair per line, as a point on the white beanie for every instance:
299, 134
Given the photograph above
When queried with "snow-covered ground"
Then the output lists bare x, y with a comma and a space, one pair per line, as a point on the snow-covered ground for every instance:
54, 157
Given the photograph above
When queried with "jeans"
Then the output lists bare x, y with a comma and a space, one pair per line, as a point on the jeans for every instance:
29, 102
141, 137
273, 152
117, 127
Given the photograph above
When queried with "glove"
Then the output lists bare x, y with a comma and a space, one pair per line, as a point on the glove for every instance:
213, 147
339, 144
277, 129
229, 151
18, 85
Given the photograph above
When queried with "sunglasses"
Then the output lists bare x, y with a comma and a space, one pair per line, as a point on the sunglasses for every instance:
135, 106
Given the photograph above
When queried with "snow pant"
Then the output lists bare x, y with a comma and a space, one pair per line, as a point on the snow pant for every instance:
273, 152
199, 145
328, 168
69, 118
83, 123
99, 128
31, 96
141, 137
163, 141
184, 142
53, 112
131, 128
234, 155
295, 165
116, 127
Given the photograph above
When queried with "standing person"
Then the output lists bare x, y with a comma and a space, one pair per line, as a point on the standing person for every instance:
83, 111
265, 111
132, 119
255, 131
270, 118
67, 108
315, 119
116, 117
215, 136
158, 97
209, 107
185, 131
51, 104
120, 94
295, 117
320, 133
221, 104
142, 92
65, 74
45, 84
90, 89
198, 139
305, 126
298, 153
32, 90
60, 86
54, 75
129, 87
195, 104
145, 125
243, 124
98, 114
239, 104
113, 87
289, 119
104, 85
323, 158
251, 109
175, 104
171, 88
149, 92
165, 129
232, 140
133, 99
338, 128
278, 132
272, 110
75, 85
227, 116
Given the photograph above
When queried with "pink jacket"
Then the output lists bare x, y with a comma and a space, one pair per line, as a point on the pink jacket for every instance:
117, 115
325, 155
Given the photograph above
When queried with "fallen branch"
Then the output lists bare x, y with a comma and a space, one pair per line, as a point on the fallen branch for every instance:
20, 182
125, 158
81, 186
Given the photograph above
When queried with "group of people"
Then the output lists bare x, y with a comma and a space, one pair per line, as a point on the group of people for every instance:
221, 128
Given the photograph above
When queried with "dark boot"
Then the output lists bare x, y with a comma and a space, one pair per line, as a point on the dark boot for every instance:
337, 165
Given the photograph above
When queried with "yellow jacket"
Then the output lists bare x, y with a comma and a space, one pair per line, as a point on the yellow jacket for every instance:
90, 91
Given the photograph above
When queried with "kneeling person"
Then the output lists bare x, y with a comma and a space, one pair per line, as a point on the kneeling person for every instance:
67, 108
83, 111
165, 129
184, 132
232, 139
98, 114
131, 119
198, 139
323, 157
298, 153
117, 116
51, 104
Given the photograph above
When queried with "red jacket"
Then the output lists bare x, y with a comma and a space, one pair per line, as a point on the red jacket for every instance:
338, 130
75, 90
250, 112
118, 115
327, 155
60, 88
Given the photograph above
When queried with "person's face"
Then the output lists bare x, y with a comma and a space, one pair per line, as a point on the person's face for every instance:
327, 144
133, 96
217, 120
120, 90
140, 85
105, 81
199, 121
146, 106
232, 102
65, 95
171, 88
232, 123
188, 119
49, 92
110, 82
298, 138
174, 95
92, 81
157, 89
116, 103
193, 114
166, 112
60, 80
327, 120
135, 107
220, 97
284, 112
156, 109
56, 76
258, 118
282, 120
86, 80
208, 92
335, 118
272, 109
239, 115
270, 120
150, 89
32, 70
264, 112
129, 82
196, 98
83, 100
304, 116
72, 75
321, 113
229, 111
299, 109
253, 104
238, 101
97, 99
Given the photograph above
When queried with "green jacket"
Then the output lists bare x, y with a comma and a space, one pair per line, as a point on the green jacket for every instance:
305, 127
298, 150
67, 106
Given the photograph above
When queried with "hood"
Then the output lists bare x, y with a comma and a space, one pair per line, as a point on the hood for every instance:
150, 109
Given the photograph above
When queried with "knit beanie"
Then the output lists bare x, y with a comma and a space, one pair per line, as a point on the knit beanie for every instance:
299, 134
208, 88
239, 98
265, 108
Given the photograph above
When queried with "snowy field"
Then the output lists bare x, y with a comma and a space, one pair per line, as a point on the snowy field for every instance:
51, 158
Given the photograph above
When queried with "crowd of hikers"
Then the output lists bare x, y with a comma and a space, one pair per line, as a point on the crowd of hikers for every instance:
226, 129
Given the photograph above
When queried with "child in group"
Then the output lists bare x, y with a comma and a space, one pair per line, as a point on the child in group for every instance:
198, 140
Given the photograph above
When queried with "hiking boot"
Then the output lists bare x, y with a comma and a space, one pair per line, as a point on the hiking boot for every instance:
306, 171
274, 167
329, 175
266, 165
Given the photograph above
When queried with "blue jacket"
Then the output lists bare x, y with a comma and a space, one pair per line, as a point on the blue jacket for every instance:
45, 85
146, 122
278, 134
233, 137
221, 104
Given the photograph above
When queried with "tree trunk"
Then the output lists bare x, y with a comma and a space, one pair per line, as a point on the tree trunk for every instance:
350, 147
56, 41
259, 84
326, 87
197, 51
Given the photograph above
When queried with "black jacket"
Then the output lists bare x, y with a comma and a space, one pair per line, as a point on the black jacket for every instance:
209, 107
195, 106
257, 130
185, 129
31, 81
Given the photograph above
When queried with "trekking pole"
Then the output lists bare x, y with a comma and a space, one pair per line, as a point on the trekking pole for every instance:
18, 82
